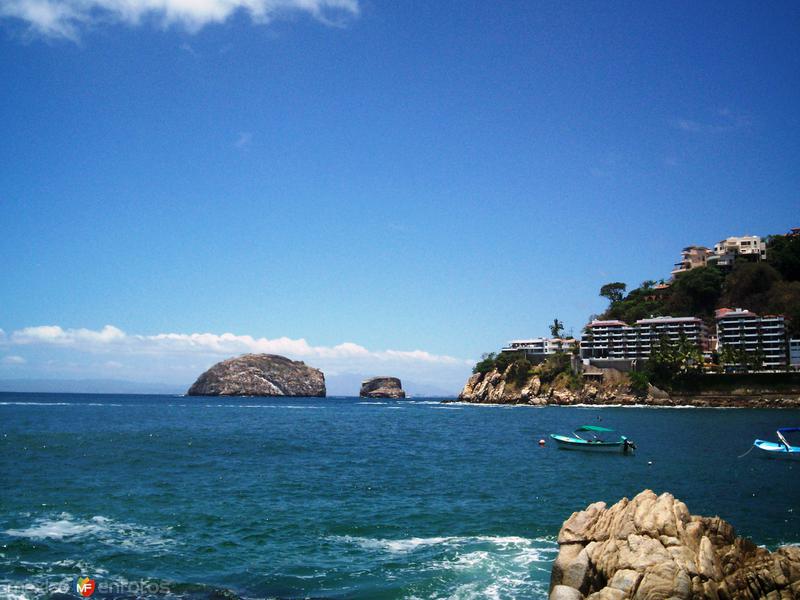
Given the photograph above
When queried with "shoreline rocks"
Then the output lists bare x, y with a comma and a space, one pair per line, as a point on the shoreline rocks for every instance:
651, 547
382, 387
259, 375
607, 387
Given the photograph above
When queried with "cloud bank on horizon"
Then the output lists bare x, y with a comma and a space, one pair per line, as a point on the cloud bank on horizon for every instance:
111, 351
67, 18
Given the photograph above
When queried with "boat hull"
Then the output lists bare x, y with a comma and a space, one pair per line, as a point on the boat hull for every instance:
568, 443
775, 450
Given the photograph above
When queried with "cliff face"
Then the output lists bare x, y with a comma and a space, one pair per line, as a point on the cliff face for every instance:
382, 387
259, 375
495, 387
608, 386
651, 547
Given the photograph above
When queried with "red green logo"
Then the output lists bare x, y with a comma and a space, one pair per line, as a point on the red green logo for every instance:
85, 586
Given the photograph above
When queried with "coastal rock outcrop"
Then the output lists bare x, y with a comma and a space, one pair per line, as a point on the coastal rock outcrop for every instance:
259, 375
382, 387
652, 548
608, 387
503, 387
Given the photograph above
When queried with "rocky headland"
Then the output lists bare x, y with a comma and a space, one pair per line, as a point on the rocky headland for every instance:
259, 375
652, 548
382, 387
612, 387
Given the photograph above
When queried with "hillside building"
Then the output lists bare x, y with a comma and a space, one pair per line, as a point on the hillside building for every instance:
723, 255
751, 247
761, 337
537, 349
619, 341
691, 258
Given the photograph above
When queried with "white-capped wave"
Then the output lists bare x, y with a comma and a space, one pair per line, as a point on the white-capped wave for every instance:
98, 528
414, 543
470, 567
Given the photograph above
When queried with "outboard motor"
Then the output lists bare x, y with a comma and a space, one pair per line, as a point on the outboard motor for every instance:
628, 446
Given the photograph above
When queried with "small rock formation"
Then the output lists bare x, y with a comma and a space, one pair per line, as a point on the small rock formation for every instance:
259, 375
382, 387
651, 548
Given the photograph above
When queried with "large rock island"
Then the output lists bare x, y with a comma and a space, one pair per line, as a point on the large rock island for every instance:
652, 548
382, 387
260, 375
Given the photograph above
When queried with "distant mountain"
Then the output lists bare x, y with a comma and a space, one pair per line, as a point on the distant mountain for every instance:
88, 386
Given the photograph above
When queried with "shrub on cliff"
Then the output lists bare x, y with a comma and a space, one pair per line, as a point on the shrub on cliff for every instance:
485, 364
554, 365
639, 383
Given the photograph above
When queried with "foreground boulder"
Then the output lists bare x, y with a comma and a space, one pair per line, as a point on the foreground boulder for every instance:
259, 375
382, 387
651, 548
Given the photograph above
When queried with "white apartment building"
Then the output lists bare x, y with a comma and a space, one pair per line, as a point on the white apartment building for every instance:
726, 251
618, 340
751, 333
541, 346
723, 254
794, 352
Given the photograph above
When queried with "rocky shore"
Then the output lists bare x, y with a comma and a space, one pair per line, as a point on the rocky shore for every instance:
259, 375
651, 548
609, 387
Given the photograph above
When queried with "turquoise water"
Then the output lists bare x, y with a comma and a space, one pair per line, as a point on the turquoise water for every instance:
342, 498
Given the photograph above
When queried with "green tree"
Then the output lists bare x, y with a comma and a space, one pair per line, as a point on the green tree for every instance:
486, 363
553, 366
613, 291
749, 286
639, 383
670, 361
557, 328
695, 292
783, 253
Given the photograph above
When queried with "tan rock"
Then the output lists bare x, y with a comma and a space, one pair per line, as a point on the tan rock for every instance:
564, 592
665, 580
652, 548
607, 593
578, 528
625, 580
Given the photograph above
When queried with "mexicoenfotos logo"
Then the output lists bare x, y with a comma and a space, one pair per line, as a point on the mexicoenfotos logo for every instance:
85, 586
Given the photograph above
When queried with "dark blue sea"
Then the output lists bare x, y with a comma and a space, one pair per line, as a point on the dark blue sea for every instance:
173, 497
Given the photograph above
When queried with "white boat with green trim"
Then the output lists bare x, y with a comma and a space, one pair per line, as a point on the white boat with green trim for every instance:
594, 439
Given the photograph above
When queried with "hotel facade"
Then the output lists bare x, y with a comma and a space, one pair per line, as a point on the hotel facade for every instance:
620, 341
753, 335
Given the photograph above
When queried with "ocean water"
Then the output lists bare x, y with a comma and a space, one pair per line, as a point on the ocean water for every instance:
173, 497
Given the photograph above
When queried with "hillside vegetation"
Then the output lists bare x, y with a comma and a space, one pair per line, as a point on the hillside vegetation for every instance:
767, 287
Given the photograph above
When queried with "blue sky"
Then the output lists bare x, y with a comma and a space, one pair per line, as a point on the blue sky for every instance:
433, 177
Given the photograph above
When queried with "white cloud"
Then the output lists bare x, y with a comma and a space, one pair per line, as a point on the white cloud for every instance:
13, 360
53, 334
66, 18
112, 339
